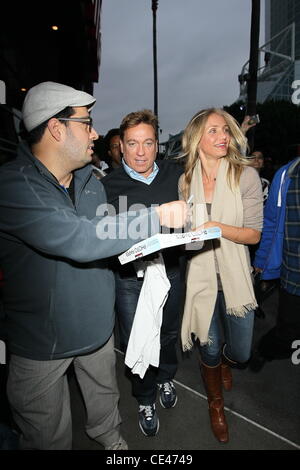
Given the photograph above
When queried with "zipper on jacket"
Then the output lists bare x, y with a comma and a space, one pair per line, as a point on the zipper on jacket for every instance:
78, 194
283, 181
59, 186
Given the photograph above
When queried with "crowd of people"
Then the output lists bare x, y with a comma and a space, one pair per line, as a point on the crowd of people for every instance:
72, 201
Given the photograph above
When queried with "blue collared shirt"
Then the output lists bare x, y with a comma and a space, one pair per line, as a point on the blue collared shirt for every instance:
137, 176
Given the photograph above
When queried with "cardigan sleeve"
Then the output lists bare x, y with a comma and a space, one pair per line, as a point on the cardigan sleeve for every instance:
252, 198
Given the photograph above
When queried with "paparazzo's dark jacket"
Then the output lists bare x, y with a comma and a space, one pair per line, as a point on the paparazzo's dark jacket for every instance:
58, 293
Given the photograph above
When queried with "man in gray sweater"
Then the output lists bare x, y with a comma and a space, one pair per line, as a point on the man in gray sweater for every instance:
58, 292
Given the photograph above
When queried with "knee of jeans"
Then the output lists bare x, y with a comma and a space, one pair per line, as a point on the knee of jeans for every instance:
210, 355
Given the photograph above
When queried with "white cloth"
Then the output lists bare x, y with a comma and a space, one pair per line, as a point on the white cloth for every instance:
143, 347
99, 171
103, 165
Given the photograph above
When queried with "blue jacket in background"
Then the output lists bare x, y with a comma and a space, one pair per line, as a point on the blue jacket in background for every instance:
268, 257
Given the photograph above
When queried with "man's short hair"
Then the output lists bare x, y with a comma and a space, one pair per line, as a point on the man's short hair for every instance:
35, 135
145, 116
110, 134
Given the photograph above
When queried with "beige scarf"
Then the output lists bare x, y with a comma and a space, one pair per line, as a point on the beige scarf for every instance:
233, 261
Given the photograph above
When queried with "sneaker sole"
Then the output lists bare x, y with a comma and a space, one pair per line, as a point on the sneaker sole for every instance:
153, 433
168, 407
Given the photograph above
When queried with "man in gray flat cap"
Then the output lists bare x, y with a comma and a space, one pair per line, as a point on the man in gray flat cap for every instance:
58, 292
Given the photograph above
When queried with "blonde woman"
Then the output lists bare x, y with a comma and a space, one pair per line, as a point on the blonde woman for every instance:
220, 300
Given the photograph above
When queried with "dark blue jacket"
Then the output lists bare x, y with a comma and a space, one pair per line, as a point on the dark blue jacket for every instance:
268, 257
290, 271
58, 292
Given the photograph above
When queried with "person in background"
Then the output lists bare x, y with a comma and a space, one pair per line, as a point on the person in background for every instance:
264, 165
98, 163
269, 169
247, 124
278, 257
113, 149
9, 437
220, 300
142, 180
257, 162
58, 292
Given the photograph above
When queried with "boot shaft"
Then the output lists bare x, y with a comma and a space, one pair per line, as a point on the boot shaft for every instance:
213, 383
212, 379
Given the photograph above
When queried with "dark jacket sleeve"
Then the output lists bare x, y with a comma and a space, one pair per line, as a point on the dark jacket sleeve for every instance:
32, 213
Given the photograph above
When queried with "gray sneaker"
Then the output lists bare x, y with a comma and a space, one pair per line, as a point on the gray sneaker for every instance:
121, 444
148, 420
167, 394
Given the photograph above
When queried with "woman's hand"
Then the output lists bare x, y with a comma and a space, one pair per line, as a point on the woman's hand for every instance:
243, 235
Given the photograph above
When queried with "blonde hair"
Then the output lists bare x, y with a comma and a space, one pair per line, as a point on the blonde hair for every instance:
192, 135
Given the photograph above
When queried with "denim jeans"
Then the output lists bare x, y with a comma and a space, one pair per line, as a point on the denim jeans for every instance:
127, 294
236, 332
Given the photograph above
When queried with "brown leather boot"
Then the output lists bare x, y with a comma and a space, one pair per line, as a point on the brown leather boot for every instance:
226, 370
226, 376
213, 384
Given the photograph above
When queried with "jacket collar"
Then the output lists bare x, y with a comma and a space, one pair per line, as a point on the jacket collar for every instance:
24, 151
293, 166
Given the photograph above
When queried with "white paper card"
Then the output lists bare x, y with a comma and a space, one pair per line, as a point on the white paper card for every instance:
166, 240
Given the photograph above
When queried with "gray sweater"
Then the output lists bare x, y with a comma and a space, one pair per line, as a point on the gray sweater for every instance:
58, 292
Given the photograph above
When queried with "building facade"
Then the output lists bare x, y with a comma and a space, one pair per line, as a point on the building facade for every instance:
279, 57
56, 41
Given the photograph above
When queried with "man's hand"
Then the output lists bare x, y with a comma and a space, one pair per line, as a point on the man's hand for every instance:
257, 270
173, 214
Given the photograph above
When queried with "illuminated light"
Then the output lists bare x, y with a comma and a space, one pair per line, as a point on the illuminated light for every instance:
23, 89
55, 28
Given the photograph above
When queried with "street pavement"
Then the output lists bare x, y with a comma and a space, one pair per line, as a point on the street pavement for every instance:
262, 409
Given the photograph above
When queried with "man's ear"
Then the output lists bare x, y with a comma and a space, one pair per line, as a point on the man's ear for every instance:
55, 128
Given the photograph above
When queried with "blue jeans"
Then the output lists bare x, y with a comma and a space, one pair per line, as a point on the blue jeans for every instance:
236, 332
127, 294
